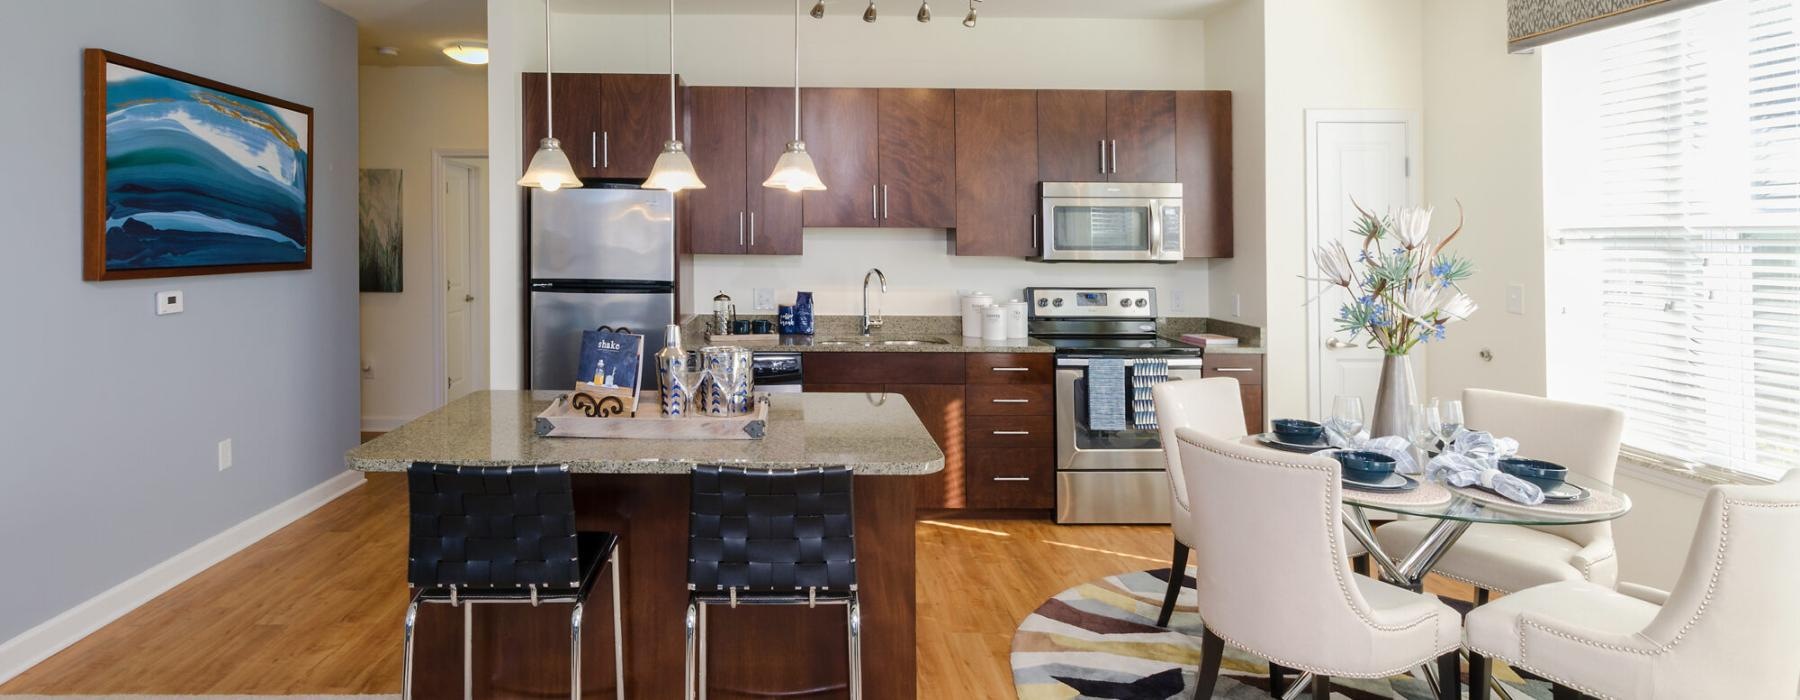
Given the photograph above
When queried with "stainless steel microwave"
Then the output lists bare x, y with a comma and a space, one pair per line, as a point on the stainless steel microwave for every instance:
1111, 222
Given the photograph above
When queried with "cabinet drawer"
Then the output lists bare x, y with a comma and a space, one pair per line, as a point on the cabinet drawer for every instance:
1009, 368
1011, 431
1010, 400
1011, 478
1247, 369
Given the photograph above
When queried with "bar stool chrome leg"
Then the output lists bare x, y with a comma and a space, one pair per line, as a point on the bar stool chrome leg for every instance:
406, 662
854, 613
468, 651
687, 680
575, 652
618, 627
700, 670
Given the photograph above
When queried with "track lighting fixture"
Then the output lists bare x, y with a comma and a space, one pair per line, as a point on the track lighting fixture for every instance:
969, 21
818, 11
869, 14
925, 12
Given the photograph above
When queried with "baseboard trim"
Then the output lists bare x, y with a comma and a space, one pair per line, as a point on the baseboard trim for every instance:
41, 642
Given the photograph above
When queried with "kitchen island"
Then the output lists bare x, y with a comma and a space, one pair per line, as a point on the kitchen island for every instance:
639, 489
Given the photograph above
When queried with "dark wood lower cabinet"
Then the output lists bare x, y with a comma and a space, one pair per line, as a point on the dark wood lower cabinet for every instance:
1248, 370
940, 406
1011, 478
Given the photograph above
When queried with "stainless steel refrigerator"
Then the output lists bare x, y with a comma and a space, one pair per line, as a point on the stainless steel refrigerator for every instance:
599, 257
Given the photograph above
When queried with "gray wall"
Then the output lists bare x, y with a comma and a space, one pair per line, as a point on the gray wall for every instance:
109, 415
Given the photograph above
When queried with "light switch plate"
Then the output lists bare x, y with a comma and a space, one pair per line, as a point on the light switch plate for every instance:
1237, 306
765, 299
1177, 300
1515, 299
168, 303
225, 454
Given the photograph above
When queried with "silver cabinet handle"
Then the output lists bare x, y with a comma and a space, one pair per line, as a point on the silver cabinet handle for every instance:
1012, 369
1034, 230
1012, 478
593, 148
1235, 369
740, 228
1012, 400
1102, 156
875, 202
1012, 432
1115, 156
605, 149
753, 229
884, 202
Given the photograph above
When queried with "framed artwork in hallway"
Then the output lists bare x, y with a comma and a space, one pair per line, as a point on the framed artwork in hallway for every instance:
190, 176
378, 226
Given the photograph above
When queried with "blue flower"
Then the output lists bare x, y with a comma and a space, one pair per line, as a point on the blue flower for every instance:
1440, 269
1362, 256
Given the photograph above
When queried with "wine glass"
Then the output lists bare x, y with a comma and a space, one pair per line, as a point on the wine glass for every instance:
1449, 419
1423, 429
1347, 415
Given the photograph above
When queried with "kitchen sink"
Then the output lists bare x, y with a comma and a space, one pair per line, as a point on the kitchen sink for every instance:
871, 342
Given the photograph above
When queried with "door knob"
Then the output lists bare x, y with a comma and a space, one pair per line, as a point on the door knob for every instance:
468, 297
1336, 344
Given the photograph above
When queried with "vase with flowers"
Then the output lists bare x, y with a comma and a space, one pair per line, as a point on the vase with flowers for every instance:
1404, 290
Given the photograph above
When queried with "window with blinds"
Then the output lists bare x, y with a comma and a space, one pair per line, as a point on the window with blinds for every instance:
1672, 194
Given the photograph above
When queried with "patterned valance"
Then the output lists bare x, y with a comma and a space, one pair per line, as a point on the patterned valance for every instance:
1533, 23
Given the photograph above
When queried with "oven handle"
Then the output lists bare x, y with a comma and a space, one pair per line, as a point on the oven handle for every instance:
1177, 363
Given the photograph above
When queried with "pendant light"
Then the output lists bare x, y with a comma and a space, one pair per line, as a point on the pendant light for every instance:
673, 170
794, 171
549, 169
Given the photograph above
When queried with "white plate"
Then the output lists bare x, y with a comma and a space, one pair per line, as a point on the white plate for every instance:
1393, 482
1275, 442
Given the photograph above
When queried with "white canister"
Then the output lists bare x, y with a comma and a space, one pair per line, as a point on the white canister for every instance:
1015, 318
993, 322
971, 313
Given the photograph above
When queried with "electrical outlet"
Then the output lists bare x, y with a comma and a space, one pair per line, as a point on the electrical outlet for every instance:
168, 303
1237, 306
1515, 299
765, 299
225, 454
1177, 300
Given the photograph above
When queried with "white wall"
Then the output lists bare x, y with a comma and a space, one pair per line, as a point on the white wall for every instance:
1320, 54
111, 414
407, 113
1235, 62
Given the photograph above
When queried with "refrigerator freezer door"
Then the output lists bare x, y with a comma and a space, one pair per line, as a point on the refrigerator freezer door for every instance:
603, 234
558, 319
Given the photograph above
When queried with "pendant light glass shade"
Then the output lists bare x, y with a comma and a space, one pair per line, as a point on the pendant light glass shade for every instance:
673, 170
550, 168
794, 171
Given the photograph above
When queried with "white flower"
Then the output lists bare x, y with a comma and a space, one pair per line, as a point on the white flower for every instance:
1421, 301
1334, 263
1413, 226
1459, 308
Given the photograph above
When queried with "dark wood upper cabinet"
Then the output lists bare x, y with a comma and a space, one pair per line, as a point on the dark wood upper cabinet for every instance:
1140, 135
634, 113
996, 172
839, 126
917, 152
577, 97
1071, 135
717, 216
775, 217
1203, 160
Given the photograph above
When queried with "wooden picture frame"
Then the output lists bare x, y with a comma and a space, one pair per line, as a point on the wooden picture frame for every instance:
261, 246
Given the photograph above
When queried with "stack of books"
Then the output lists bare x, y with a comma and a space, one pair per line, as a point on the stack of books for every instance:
1209, 340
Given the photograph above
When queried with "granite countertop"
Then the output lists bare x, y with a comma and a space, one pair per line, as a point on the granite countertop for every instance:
496, 429
933, 343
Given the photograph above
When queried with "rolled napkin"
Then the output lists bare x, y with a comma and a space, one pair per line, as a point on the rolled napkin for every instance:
1473, 459
1337, 435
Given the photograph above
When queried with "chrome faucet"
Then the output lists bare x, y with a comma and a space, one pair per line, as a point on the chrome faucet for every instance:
870, 324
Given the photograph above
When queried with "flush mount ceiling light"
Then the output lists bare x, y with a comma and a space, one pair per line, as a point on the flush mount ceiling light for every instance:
925, 11
474, 53
969, 21
794, 171
673, 170
818, 11
549, 169
869, 14
387, 51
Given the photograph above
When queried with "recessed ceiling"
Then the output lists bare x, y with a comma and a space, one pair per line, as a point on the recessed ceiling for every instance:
419, 29
1086, 9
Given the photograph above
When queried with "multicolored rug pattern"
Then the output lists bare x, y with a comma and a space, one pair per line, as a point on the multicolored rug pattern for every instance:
1100, 640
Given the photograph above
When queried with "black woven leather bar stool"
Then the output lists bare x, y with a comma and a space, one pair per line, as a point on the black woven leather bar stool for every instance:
503, 535
770, 537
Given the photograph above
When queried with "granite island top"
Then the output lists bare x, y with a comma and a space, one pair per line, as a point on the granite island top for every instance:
929, 343
496, 429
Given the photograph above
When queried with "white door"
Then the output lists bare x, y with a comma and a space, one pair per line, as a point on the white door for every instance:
461, 222
1368, 162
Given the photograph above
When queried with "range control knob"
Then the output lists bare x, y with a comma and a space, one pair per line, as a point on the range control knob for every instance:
1043, 303
1125, 303
1057, 302
1141, 303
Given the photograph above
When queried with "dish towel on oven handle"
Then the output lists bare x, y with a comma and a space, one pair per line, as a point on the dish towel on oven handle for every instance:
1472, 458
1145, 375
1106, 394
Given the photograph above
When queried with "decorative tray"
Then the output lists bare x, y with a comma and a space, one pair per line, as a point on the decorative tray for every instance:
579, 414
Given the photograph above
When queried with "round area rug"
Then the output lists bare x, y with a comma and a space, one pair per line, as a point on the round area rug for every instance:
1100, 640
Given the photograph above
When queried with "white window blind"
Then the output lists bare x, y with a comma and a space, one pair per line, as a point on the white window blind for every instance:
1672, 192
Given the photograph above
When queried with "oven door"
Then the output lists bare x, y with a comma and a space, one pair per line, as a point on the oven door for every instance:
1081, 449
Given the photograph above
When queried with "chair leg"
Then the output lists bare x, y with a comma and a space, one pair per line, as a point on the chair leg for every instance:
575, 653
1450, 676
855, 625
1481, 597
1360, 564
1559, 691
1277, 679
687, 680
1481, 673
406, 669
468, 650
1177, 571
700, 644
1212, 650
618, 627
1321, 687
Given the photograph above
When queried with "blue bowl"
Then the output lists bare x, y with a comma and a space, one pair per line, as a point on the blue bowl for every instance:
1298, 432
1367, 467
1546, 475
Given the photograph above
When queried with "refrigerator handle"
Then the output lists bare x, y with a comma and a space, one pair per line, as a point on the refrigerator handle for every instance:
740, 228
753, 229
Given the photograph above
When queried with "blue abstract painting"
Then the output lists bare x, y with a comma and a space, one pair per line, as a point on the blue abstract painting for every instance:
199, 178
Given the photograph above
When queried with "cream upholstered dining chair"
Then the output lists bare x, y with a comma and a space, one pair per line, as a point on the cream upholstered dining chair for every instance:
1508, 558
1730, 629
1212, 406
1274, 578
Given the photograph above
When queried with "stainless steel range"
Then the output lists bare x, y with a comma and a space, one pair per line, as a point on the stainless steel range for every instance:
1112, 473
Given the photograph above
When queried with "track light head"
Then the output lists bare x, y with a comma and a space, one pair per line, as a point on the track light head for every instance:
818, 10
969, 21
869, 14
925, 12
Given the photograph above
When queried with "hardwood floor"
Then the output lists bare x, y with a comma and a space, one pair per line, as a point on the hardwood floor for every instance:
316, 607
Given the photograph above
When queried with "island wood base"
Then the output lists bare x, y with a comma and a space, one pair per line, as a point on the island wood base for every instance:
755, 652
